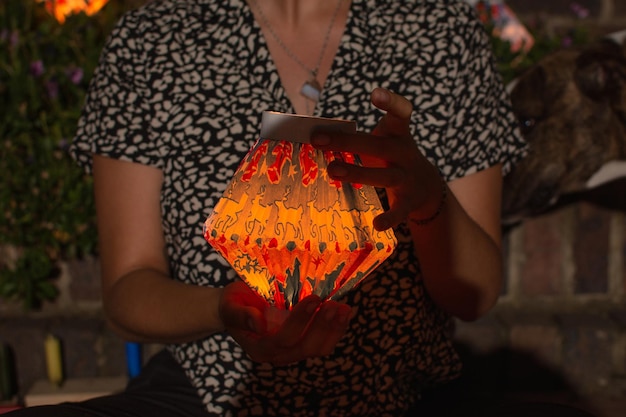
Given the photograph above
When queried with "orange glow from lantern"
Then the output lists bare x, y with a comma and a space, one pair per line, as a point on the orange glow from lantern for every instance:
60, 9
289, 230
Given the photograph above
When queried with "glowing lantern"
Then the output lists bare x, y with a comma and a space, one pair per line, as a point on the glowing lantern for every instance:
288, 229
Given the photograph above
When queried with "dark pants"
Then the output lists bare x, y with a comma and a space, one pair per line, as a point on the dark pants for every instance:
163, 390
458, 400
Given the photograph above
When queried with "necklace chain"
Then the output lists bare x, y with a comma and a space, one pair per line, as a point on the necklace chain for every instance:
313, 83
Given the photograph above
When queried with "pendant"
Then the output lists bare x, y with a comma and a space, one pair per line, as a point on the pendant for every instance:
311, 90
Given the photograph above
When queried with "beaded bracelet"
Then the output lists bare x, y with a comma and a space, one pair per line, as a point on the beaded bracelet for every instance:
442, 203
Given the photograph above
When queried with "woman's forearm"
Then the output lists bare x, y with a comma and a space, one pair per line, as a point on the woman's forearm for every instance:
145, 305
141, 301
461, 264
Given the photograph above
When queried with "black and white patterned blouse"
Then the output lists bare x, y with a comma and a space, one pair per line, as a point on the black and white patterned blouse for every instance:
181, 87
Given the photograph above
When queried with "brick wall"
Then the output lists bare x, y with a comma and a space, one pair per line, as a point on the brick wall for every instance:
562, 315
560, 324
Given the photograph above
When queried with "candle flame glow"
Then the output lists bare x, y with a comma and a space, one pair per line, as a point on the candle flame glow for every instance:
60, 9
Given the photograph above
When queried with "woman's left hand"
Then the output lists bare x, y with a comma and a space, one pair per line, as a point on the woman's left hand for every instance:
312, 329
391, 160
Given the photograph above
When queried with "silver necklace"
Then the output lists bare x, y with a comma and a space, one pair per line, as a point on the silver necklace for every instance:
311, 89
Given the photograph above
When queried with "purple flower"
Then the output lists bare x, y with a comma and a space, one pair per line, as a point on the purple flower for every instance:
4, 35
64, 144
52, 87
75, 74
566, 42
580, 11
36, 68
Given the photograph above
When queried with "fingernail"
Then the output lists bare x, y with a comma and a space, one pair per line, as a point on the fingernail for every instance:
320, 139
381, 95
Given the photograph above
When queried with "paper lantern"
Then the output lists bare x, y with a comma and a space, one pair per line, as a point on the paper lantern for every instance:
288, 229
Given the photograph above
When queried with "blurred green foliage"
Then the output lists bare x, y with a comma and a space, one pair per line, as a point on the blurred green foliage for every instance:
45, 199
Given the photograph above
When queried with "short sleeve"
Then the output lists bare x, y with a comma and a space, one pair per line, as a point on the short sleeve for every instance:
115, 120
483, 130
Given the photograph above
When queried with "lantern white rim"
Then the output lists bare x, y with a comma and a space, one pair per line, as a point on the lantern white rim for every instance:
299, 128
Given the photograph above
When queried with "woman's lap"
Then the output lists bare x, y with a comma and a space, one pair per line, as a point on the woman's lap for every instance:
163, 390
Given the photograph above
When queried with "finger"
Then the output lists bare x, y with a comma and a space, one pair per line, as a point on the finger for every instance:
398, 110
247, 318
241, 308
324, 332
359, 143
292, 329
255, 346
400, 149
394, 104
390, 218
405, 200
327, 328
377, 177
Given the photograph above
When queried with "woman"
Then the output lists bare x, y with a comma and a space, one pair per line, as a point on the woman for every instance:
174, 106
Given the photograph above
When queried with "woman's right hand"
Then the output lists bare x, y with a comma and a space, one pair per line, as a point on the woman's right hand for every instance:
313, 328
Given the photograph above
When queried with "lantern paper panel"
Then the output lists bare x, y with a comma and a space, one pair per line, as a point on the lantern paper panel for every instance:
289, 230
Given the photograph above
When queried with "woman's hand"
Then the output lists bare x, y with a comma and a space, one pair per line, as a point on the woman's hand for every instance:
391, 160
459, 253
311, 329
